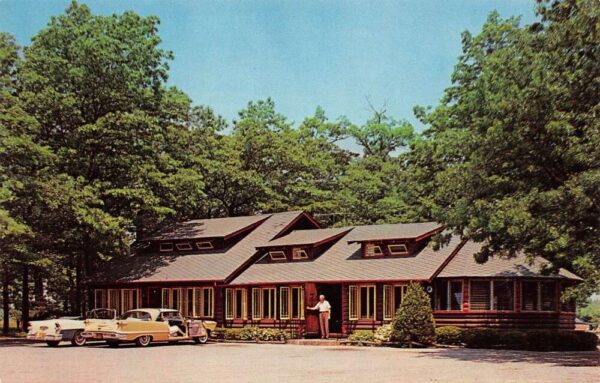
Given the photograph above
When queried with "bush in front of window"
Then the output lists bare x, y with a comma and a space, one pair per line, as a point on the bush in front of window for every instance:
533, 340
414, 319
384, 333
262, 334
362, 337
450, 335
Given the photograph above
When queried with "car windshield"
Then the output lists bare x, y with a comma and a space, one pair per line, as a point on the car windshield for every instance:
137, 315
102, 314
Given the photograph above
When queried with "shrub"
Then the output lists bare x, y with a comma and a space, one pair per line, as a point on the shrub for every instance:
232, 333
449, 335
534, 340
384, 333
262, 334
362, 336
414, 319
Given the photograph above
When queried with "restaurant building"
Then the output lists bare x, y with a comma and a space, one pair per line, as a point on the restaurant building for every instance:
264, 270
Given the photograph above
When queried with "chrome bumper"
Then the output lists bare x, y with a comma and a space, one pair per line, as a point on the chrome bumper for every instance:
103, 335
44, 337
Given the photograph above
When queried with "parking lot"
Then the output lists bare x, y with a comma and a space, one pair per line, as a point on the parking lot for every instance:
288, 363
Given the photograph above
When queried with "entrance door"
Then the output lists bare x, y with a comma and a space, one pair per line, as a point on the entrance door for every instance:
155, 298
333, 294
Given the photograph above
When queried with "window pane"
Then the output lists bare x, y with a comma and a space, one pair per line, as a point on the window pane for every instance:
388, 302
284, 296
229, 303
480, 295
256, 303
269, 303
207, 309
441, 295
456, 295
529, 294
353, 302
367, 302
297, 304
548, 296
504, 295
198, 302
239, 301
569, 305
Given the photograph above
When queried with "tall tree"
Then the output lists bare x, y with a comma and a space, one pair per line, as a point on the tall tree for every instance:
512, 153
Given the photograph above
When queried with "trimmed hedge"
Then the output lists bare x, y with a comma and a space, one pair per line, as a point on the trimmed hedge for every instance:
253, 333
534, 340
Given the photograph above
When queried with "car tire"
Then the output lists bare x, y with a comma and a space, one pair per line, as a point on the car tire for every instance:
143, 341
112, 344
78, 340
52, 343
201, 339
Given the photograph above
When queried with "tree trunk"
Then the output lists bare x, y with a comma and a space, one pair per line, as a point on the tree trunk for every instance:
5, 302
38, 286
78, 287
25, 304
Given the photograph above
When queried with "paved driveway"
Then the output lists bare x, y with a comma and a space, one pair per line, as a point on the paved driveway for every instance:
289, 363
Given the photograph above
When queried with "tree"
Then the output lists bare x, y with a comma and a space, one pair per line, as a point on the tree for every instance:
511, 156
414, 319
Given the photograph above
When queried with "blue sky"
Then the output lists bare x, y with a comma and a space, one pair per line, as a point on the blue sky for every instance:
301, 53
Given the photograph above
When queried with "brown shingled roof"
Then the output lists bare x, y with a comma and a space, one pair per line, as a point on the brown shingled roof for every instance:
343, 262
216, 266
307, 237
396, 231
206, 228
463, 264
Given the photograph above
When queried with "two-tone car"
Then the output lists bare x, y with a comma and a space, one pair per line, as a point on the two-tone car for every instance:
145, 326
66, 329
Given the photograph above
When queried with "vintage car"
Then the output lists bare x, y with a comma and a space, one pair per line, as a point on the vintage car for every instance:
54, 331
144, 326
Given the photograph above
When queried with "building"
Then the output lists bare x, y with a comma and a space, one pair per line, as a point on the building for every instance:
264, 270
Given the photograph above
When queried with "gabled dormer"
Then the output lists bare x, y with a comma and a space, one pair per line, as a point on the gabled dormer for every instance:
395, 240
300, 245
200, 236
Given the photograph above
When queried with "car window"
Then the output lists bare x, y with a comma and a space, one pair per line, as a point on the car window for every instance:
139, 315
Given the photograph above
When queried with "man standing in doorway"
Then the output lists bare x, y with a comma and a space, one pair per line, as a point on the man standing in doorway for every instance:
324, 314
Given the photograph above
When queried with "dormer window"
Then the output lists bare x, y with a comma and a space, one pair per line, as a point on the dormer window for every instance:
372, 250
398, 249
299, 254
204, 245
166, 246
183, 246
277, 255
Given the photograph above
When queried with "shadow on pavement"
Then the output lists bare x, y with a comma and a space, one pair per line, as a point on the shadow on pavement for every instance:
565, 359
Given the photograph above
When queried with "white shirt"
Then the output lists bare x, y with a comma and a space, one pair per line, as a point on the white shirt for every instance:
322, 306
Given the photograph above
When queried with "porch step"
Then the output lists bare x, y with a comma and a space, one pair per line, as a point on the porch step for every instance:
315, 342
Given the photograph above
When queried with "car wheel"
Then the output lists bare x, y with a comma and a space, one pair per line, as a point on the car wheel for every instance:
78, 340
201, 339
112, 344
143, 340
52, 343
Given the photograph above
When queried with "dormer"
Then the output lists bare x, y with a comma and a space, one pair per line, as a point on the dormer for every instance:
394, 240
301, 245
200, 236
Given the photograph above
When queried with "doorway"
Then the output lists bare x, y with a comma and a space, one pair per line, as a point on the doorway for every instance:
154, 301
333, 294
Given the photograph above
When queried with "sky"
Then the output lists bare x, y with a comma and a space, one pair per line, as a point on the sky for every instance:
303, 54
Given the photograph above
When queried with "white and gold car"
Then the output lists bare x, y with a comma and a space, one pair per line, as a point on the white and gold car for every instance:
145, 326
54, 331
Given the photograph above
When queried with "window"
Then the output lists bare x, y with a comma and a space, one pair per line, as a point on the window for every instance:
204, 302
538, 296
269, 303
398, 249
184, 246
548, 296
392, 298
449, 295
256, 304
113, 299
100, 299
129, 299
362, 302
566, 305
204, 245
297, 303
480, 295
172, 299
277, 255
284, 303
299, 254
166, 246
504, 296
372, 250
235, 304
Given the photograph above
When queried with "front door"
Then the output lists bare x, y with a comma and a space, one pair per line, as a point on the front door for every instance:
333, 294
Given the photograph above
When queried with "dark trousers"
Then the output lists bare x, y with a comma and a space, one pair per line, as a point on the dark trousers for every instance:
324, 323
